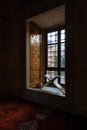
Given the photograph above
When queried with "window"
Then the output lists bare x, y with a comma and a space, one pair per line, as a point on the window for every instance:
61, 15
55, 55
45, 54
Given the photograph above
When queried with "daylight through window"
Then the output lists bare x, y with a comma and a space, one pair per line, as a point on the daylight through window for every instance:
55, 65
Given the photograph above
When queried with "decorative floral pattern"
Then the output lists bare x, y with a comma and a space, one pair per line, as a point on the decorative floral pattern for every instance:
28, 125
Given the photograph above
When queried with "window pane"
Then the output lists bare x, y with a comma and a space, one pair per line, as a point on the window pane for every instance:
52, 37
51, 74
52, 57
63, 55
62, 77
63, 35
63, 31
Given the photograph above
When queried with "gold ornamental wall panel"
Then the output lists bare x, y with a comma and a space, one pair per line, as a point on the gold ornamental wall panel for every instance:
35, 55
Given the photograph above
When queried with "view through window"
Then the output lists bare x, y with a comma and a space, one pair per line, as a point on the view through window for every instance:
55, 60
55, 65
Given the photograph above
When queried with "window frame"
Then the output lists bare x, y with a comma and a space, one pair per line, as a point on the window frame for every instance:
59, 68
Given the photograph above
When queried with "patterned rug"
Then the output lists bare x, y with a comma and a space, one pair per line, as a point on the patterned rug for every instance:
28, 125
18, 114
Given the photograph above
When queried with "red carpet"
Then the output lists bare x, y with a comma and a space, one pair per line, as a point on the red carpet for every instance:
12, 113
17, 113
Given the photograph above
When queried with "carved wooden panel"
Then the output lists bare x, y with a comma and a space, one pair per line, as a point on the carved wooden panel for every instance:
35, 55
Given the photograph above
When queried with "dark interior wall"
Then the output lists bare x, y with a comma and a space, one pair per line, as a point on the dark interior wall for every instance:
14, 63
15, 53
80, 56
4, 29
9, 47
